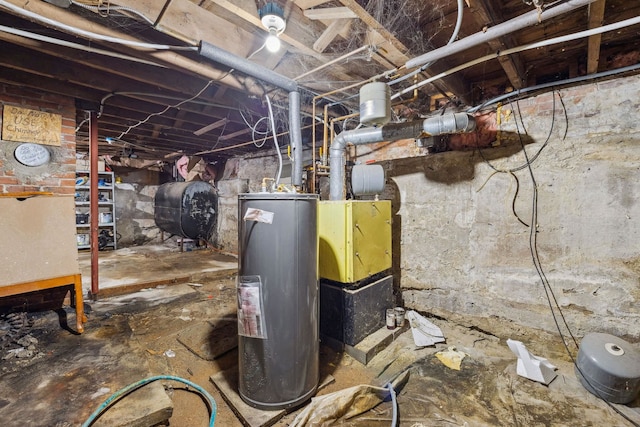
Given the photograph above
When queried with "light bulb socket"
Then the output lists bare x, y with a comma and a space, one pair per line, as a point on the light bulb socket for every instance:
272, 16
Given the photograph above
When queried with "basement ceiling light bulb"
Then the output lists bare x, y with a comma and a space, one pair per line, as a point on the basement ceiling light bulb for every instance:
272, 18
272, 43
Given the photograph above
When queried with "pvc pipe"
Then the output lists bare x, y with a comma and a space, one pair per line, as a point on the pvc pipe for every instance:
453, 37
47, 39
526, 20
569, 37
88, 34
448, 123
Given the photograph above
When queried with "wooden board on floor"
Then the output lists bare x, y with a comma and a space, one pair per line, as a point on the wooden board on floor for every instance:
211, 339
147, 406
227, 383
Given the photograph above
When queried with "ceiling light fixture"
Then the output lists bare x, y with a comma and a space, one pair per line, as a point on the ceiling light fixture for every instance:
272, 18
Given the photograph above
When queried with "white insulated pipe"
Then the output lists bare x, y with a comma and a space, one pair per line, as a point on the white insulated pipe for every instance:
526, 20
448, 123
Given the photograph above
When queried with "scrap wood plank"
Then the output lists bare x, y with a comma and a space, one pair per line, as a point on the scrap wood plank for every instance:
211, 339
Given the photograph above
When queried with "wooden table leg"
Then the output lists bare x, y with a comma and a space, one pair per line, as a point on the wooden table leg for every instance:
79, 304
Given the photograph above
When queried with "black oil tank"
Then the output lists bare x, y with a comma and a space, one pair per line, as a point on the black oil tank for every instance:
187, 209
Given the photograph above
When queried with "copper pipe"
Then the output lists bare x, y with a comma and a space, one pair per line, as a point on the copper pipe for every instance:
325, 146
313, 147
93, 199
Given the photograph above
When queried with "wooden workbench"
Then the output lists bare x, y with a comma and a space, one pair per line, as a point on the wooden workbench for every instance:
38, 247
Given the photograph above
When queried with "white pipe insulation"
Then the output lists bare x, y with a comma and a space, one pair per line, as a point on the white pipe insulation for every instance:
448, 123
526, 20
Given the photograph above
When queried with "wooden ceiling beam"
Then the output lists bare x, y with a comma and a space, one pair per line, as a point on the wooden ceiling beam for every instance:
332, 31
596, 18
151, 10
308, 4
330, 13
392, 49
156, 75
486, 16
301, 33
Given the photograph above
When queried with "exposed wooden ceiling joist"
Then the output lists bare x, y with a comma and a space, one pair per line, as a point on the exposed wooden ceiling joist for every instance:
329, 53
596, 17
486, 15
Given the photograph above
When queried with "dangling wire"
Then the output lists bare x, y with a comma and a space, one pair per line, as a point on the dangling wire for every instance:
275, 142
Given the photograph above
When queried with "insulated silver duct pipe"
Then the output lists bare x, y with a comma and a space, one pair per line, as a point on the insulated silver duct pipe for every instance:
245, 66
527, 20
449, 123
259, 72
295, 135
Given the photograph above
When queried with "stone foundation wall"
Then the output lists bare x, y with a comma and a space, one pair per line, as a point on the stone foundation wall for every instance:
463, 253
460, 252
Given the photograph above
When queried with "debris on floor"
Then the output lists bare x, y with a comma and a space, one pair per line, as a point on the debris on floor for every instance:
529, 366
345, 404
126, 338
425, 333
451, 358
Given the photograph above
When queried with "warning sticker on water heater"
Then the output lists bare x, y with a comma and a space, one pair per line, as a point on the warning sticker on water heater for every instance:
258, 215
250, 308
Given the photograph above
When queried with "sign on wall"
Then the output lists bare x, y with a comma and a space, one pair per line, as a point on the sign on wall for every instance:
24, 125
32, 154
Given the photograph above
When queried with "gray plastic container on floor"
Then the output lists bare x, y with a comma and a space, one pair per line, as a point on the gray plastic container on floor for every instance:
609, 367
281, 370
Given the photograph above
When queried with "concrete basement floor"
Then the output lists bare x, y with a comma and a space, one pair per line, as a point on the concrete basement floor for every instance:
140, 334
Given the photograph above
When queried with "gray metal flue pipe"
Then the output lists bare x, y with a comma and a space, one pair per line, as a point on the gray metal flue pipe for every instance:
449, 123
259, 72
526, 20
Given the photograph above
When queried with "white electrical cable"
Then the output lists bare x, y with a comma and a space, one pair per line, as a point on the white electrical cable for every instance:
159, 113
88, 34
110, 8
47, 39
275, 141
561, 39
453, 37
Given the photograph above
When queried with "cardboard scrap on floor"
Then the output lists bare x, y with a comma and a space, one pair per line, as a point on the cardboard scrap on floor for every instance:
451, 358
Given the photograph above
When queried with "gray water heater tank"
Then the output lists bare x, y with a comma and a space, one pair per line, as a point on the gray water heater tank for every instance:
278, 301
609, 367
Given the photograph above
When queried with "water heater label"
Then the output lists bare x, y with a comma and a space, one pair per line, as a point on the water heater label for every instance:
258, 215
250, 307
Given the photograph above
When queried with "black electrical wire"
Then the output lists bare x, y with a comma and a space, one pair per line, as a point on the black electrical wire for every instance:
550, 295
534, 158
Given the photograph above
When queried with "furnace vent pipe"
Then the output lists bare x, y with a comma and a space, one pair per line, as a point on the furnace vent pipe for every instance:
245, 66
295, 134
449, 123
259, 72
526, 20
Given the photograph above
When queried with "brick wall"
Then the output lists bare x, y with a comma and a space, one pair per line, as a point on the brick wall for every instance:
57, 176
